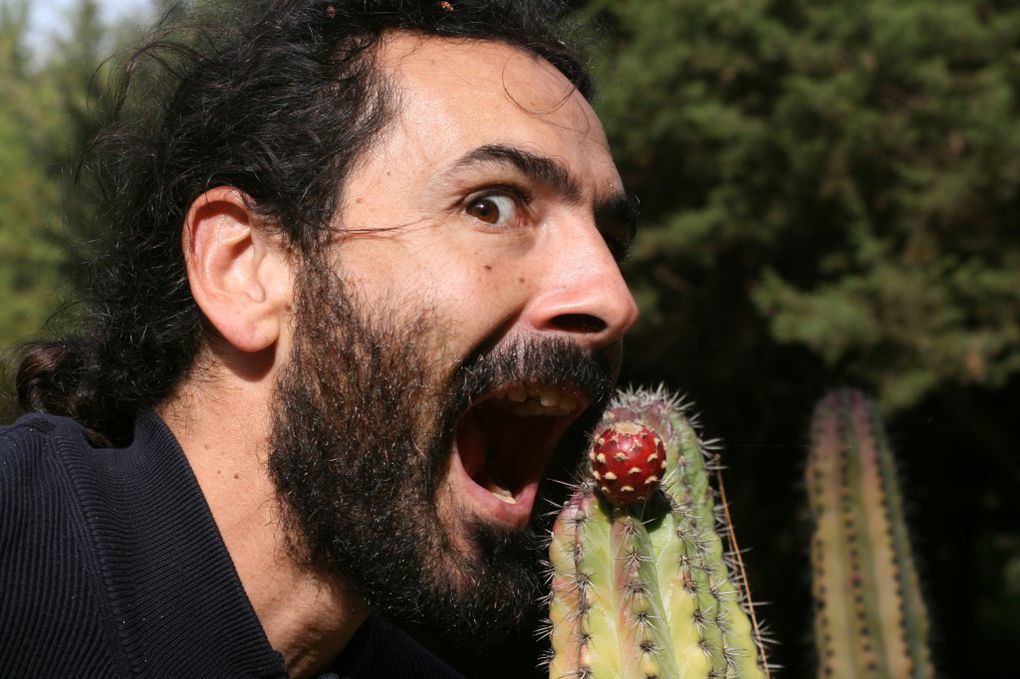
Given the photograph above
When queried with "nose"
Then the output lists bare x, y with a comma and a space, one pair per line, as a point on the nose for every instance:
583, 293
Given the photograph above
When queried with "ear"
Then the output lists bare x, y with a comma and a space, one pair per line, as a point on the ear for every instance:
239, 274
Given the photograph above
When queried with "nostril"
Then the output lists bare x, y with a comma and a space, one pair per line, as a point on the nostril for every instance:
579, 323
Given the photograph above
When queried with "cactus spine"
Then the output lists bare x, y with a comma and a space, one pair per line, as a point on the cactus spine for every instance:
646, 590
870, 619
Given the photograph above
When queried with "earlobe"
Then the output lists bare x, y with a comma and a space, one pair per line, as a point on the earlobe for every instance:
238, 273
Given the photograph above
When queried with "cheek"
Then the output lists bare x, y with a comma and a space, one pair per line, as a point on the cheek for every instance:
474, 294
477, 278
481, 299
495, 283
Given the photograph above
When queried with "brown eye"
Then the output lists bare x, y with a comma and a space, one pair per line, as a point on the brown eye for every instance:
497, 209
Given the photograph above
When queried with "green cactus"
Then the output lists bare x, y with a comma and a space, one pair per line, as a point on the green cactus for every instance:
648, 590
870, 619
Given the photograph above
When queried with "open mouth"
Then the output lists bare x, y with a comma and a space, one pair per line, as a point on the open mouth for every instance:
504, 443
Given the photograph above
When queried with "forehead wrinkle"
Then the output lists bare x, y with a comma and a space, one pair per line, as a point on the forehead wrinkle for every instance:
542, 169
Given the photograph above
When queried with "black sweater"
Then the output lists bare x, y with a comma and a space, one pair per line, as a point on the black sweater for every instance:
111, 566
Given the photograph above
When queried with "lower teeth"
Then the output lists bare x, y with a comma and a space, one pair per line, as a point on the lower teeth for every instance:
504, 495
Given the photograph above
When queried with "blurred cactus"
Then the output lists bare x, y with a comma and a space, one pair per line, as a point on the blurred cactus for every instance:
870, 619
647, 589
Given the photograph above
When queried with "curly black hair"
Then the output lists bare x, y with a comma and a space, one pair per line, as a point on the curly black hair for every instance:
278, 98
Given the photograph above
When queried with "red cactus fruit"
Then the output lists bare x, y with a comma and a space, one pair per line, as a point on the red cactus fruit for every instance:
627, 462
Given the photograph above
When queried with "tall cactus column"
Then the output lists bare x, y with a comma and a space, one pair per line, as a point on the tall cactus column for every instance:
870, 619
641, 586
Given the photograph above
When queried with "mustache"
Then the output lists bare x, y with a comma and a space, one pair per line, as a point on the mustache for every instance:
535, 360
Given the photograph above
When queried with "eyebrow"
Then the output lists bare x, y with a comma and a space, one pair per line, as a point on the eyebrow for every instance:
541, 169
612, 213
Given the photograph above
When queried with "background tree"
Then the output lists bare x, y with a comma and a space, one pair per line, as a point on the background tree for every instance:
53, 104
831, 194
31, 127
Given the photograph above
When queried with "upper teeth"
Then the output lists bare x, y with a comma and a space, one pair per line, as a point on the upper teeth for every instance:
526, 401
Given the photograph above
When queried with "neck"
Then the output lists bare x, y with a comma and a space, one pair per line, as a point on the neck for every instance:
305, 618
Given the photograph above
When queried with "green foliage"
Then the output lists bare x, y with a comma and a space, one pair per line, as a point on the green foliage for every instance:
845, 173
29, 196
51, 112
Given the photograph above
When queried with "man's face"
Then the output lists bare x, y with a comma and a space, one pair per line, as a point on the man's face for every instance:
467, 328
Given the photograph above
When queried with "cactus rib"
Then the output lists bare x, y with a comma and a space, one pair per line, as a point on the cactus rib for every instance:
870, 619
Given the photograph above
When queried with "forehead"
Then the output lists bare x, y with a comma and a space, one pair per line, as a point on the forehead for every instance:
455, 95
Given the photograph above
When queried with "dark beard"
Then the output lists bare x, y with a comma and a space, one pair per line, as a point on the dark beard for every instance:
363, 429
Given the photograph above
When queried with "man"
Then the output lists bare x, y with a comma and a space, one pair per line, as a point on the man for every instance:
360, 300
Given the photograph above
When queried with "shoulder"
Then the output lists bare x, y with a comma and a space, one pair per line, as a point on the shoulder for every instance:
30, 451
27, 426
51, 620
38, 493
42, 458
36, 428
